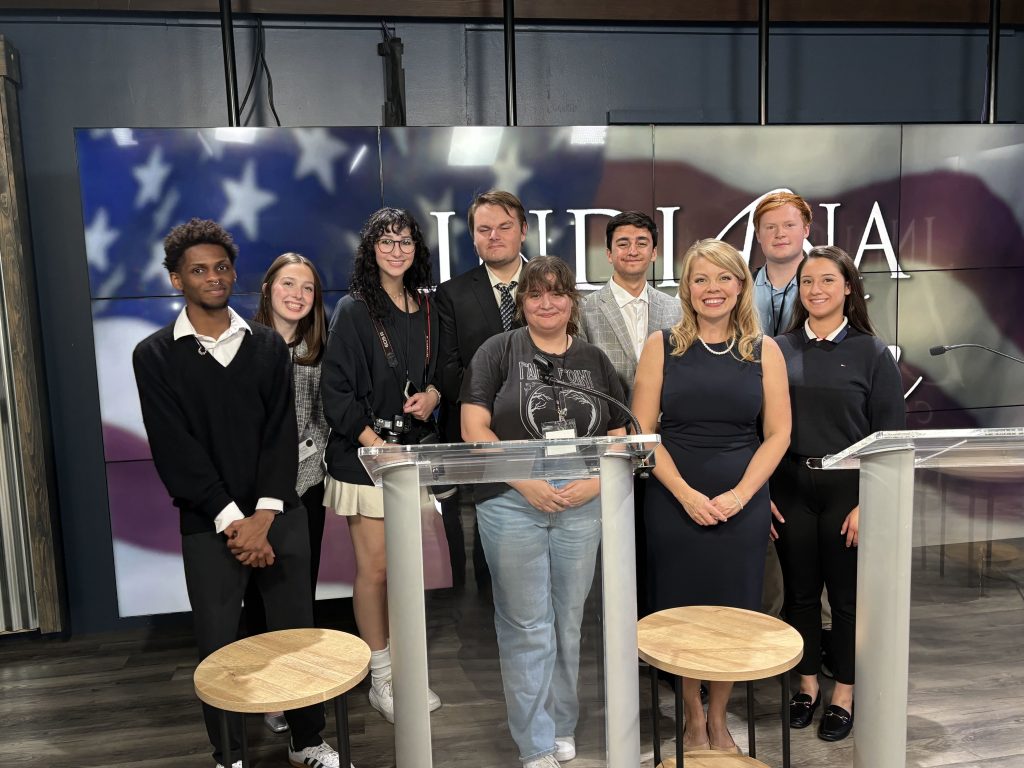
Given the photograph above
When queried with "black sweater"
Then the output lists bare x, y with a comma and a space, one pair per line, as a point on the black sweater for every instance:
357, 384
219, 434
840, 392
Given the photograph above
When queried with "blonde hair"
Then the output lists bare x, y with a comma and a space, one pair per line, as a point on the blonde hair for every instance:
743, 324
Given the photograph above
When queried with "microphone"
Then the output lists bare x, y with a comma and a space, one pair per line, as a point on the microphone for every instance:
546, 369
943, 349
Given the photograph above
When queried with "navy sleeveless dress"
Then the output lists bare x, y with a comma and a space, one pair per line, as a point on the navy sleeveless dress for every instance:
710, 406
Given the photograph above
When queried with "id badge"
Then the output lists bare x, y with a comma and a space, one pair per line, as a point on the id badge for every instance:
307, 448
554, 430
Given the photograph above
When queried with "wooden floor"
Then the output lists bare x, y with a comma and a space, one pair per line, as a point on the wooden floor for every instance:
126, 700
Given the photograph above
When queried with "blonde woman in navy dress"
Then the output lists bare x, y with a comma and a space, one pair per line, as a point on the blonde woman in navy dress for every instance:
711, 376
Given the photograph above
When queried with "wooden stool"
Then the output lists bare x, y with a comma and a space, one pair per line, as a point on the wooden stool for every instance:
717, 644
283, 670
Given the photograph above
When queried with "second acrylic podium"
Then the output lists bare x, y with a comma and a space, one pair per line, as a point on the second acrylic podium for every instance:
402, 469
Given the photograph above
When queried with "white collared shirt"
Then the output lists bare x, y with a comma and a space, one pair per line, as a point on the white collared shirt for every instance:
495, 280
635, 312
223, 349
831, 337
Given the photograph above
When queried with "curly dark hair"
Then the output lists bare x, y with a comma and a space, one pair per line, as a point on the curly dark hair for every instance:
366, 274
196, 232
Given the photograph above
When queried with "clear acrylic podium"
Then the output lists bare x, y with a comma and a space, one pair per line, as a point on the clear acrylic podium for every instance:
887, 461
402, 469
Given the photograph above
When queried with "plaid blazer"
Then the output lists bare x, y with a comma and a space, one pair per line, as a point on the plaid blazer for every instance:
602, 324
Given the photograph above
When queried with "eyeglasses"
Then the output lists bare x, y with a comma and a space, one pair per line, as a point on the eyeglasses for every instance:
387, 245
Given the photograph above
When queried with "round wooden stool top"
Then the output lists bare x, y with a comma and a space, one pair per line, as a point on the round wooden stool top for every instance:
705, 642
282, 670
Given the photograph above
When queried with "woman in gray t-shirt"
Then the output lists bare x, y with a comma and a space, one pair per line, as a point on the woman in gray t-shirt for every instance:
540, 537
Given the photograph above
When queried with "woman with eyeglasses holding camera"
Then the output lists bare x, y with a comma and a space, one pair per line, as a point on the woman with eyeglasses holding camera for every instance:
374, 395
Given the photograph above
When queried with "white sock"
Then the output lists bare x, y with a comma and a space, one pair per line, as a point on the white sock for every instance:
380, 666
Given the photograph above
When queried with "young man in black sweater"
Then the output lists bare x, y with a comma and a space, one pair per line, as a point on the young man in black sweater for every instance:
220, 417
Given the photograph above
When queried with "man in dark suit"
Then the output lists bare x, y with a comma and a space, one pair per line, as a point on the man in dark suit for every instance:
471, 308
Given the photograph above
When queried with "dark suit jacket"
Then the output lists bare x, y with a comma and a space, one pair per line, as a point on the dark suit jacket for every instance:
468, 315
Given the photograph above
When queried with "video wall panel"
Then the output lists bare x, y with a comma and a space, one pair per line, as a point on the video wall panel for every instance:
933, 214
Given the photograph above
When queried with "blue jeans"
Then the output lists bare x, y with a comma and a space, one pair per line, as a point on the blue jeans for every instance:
542, 567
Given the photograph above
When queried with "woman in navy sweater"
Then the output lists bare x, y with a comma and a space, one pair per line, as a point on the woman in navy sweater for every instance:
844, 385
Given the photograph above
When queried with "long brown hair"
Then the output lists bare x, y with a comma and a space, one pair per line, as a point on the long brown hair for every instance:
743, 325
312, 329
855, 307
549, 273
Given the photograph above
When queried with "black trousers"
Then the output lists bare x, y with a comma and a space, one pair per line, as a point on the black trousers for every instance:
643, 598
814, 554
451, 516
216, 582
253, 611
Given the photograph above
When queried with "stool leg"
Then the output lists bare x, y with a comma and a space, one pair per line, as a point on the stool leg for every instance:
751, 746
225, 739
655, 714
785, 719
678, 682
245, 745
341, 719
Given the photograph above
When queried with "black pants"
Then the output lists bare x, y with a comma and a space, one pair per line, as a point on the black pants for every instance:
451, 516
813, 553
216, 582
643, 599
253, 611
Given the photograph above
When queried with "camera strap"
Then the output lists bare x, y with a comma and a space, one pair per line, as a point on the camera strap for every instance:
389, 349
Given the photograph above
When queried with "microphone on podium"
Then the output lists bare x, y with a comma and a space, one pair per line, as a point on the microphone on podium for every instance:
944, 348
546, 369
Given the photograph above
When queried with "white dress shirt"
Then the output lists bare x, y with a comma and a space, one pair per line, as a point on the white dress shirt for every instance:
495, 280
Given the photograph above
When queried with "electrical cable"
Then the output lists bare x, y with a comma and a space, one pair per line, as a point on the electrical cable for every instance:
266, 70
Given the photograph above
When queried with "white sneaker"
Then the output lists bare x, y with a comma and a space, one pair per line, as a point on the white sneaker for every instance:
433, 701
320, 756
236, 764
383, 700
548, 761
565, 748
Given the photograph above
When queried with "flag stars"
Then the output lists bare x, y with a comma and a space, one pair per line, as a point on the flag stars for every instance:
99, 236
245, 201
317, 152
151, 177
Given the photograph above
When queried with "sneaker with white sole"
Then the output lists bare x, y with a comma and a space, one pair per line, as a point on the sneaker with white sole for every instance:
320, 756
236, 764
565, 748
548, 761
383, 700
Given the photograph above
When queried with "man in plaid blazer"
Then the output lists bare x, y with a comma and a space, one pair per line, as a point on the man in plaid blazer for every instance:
618, 318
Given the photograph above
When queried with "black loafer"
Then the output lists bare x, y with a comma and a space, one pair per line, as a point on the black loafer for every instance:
801, 710
836, 724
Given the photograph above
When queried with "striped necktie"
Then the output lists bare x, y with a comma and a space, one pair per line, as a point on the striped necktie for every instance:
507, 307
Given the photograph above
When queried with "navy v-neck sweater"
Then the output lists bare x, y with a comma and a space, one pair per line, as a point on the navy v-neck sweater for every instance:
219, 434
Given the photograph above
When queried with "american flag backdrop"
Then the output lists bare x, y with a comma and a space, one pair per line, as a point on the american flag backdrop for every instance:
936, 214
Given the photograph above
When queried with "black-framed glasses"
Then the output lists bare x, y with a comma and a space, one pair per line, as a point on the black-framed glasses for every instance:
387, 244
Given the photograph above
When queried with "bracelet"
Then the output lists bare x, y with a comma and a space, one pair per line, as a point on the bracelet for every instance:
435, 390
382, 442
736, 496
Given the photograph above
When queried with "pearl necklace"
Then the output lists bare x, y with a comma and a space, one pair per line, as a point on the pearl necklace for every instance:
727, 350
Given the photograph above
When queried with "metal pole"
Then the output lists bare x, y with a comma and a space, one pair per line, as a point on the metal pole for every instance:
762, 63
618, 583
993, 57
510, 62
227, 32
403, 536
883, 607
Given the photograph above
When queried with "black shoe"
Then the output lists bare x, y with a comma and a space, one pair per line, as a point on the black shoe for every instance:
836, 724
801, 710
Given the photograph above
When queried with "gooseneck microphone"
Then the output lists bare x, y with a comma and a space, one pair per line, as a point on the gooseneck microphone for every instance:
943, 349
546, 369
